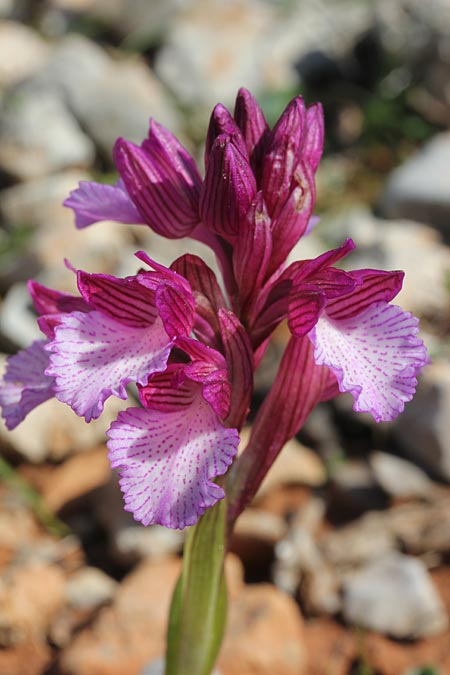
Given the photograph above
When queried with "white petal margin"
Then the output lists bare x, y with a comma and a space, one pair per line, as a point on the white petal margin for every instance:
375, 356
24, 385
94, 357
167, 461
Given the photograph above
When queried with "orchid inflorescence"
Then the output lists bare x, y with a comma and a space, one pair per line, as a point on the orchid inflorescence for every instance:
192, 344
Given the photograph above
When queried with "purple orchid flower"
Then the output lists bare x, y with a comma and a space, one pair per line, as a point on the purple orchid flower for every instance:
192, 347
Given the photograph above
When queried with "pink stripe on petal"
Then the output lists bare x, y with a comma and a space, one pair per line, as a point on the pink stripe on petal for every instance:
371, 286
374, 355
48, 301
94, 357
176, 308
124, 300
167, 461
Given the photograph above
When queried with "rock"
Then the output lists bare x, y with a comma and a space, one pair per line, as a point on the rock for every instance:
22, 52
52, 431
265, 634
199, 61
17, 320
331, 648
31, 658
418, 189
423, 430
254, 539
398, 477
30, 596
300, 565
391, 657
353, 491
138, 21
89, 588
17, 528
394, 595
422, 528
131, 632
29, 145
398, 245
295, 465
109, 97
357, 543
38, 203
77, 476
129, 541
128, 635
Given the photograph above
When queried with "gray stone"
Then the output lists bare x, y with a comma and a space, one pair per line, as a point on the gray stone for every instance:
357, 543
17, 321
22, 52
32, 146
38, 203
89, 588
200, 63
139, 21
424, 427
422, 528
418, 189
394, 595
130, 541
199, 60
398, 477
110, 97
301, 566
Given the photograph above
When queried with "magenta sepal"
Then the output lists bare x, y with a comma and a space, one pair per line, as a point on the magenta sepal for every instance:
297, 388
165, 198
301, 292
228, 189
252, 123
201, 278
252, 252
209, 368
222, 123
48, 301
172, 159
92, 202
24, 385
124, 300
295, 215
370, 286
239, 358
282, 155
314, 136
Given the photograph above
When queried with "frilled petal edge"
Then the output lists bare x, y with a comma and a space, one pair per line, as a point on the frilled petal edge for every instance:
375, 356
167, 461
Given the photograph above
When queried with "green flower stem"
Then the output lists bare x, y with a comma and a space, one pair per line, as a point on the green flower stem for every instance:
198, 610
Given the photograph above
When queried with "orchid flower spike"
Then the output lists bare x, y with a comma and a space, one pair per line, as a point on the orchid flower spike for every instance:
191, 342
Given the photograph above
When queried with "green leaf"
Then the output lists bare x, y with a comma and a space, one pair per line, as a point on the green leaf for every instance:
199, 603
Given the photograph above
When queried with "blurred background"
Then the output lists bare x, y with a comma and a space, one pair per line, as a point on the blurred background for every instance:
342, 565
